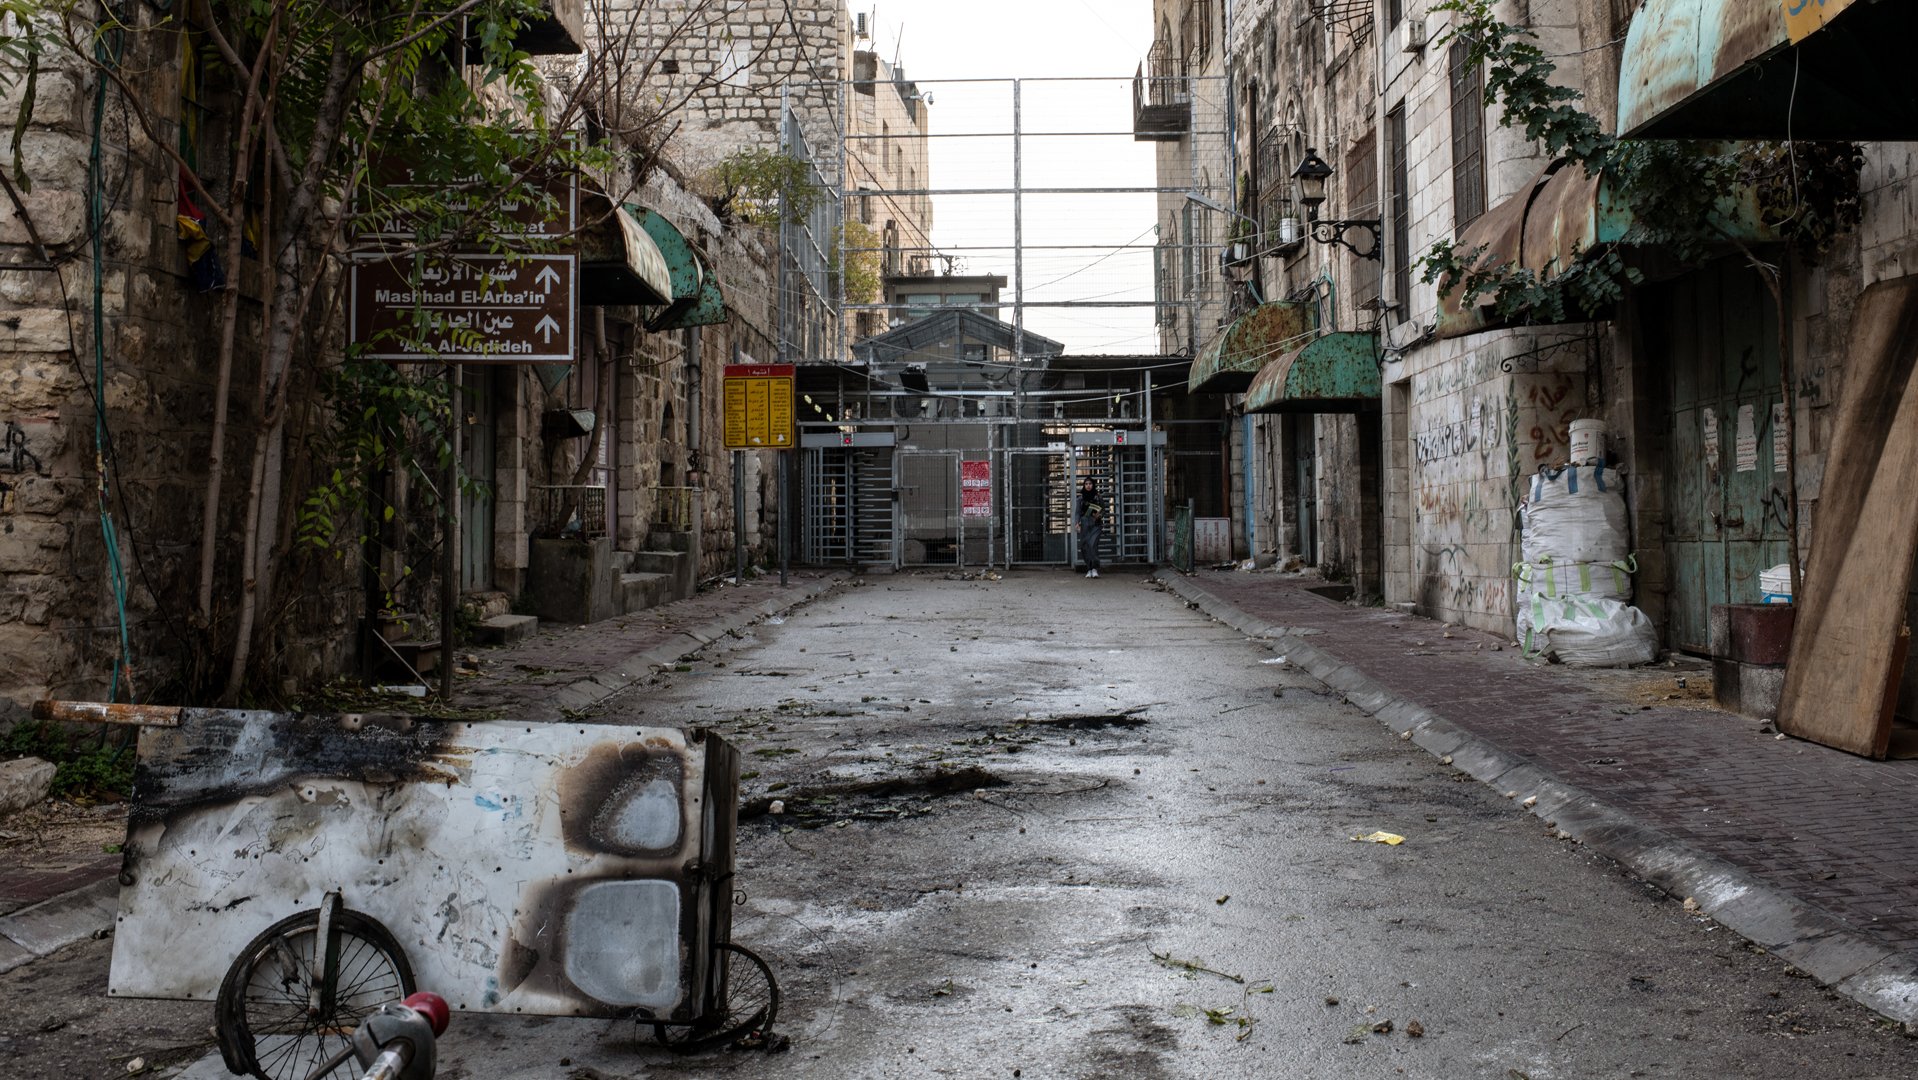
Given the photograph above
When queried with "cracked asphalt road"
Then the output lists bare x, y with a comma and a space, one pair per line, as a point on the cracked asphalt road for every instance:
1050, 827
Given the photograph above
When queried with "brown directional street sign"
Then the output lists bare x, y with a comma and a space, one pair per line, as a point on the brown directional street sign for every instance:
525, 219
466, 309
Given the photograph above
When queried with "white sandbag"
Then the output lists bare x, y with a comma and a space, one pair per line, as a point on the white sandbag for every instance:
1575, 514
1590, 632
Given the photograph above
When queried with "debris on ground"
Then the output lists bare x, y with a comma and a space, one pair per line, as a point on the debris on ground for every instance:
1192, 968
1381, 837
1414, 1030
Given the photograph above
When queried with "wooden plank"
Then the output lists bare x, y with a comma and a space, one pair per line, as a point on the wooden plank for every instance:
99, 712
1848, 647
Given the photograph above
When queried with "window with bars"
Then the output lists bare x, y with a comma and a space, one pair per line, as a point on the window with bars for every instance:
1361, 196
1278, 213
1399, 209
1468, 136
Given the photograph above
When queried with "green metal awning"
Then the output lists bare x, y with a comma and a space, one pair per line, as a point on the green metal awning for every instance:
697, 299
1338, 372
707, 308
1769, 69
1228, 362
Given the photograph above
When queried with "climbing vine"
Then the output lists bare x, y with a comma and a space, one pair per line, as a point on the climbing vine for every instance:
1681, 195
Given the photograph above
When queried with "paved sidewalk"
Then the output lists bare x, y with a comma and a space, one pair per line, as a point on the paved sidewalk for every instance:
1807, 851
566, 667
62, 895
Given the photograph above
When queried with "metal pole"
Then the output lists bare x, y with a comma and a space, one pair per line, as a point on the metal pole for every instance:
1018, 256
783, 555
1152, 523
450, 557
739, 516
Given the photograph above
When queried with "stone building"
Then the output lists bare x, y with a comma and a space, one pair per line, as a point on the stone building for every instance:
1724, 435
106, 400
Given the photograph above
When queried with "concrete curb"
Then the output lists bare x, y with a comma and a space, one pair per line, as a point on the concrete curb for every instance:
1877, 976
51, 925
601, 685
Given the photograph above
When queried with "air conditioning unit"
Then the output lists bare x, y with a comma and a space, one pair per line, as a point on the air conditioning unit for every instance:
1411, 34
859, 28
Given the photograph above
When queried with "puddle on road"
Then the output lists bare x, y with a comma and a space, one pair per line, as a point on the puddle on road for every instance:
892, 798
1090, 721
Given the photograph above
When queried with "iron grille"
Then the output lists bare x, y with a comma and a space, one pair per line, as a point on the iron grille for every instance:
570, 510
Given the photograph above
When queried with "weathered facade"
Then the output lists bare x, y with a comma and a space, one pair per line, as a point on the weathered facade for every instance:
1417, 496
100, 507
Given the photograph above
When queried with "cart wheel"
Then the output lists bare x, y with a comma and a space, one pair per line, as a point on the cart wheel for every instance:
748, 1004
268, 1023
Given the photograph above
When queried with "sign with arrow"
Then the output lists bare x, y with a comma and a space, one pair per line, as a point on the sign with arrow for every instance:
466, 309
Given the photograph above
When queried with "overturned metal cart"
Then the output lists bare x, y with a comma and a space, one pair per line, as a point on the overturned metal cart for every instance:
301, 870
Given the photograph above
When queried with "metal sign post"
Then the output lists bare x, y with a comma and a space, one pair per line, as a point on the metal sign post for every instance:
739, 517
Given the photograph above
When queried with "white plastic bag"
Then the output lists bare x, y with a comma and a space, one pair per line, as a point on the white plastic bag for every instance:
1591, 632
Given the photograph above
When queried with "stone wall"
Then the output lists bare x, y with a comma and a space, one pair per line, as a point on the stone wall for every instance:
728, 61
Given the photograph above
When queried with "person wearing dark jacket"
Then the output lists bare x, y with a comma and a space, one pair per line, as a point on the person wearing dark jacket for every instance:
1092, 520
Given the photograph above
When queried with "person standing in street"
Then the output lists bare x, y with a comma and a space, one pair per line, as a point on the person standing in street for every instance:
1092, 520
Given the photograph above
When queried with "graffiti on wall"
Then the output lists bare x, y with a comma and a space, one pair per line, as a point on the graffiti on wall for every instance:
1479, 431
14, 457
1549, 399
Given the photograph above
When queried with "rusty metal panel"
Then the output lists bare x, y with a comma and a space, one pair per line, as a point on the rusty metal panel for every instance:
1227, 363
1677, 49
1335, 373
551, 869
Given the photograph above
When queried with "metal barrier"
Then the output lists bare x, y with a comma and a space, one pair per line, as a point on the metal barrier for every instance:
674, 507
1182, 546
569, 510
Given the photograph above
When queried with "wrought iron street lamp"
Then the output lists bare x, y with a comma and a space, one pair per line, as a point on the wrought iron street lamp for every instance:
1311, 174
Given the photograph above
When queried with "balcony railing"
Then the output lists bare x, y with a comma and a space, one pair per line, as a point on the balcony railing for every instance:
1161, 96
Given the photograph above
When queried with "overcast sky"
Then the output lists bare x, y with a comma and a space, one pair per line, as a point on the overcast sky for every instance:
1077, 134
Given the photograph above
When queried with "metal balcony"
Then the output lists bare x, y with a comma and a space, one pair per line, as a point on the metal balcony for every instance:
1161, 96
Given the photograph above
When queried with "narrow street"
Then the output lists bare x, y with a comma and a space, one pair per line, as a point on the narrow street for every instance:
1050, 827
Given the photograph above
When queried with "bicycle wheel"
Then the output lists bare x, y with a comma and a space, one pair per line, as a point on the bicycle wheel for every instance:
268, 1023
747, 1004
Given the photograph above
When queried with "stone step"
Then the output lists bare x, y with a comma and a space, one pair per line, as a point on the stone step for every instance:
506, 629
668, 540
658, 562
622, 562
637, 592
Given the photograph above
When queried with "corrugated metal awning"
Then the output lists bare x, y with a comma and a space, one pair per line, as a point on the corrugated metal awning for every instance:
1543, 228
1769, 69
619, 262
696, 297
1562, 215
1338, 372
1228, 362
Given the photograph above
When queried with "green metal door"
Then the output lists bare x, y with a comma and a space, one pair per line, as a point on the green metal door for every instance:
1715, 332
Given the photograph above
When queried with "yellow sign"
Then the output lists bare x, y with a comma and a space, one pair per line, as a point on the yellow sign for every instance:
759, 407
1802, 17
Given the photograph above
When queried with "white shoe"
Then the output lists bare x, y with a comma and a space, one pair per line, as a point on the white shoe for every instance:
1092, 573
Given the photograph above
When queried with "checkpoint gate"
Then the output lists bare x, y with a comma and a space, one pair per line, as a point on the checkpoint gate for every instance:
867, 500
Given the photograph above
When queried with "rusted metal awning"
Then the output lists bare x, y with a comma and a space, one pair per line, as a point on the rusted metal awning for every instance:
1338, 372
1544, 228
1562, 215
1769, 69
619, 262
1229, 361
696, 297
